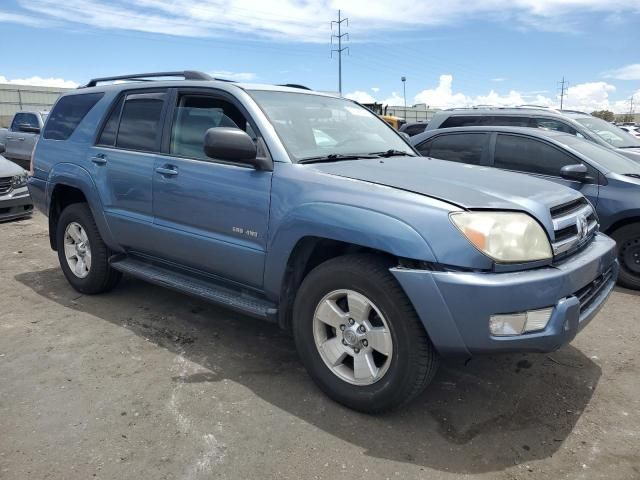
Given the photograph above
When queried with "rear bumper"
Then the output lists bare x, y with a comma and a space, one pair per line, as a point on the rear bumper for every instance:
455, 307
16, 204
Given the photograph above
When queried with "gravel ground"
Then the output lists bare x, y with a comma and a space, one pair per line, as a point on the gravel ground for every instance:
148, 383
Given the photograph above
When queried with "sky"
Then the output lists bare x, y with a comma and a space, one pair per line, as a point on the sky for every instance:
453, 53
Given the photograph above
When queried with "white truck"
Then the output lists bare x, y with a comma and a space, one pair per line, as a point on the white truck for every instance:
21, 136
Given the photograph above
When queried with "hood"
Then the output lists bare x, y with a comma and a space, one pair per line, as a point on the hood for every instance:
467, 186
8, 168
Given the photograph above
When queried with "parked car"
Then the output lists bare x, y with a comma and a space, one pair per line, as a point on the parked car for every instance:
15, 201
413, 128
21, 136
610, 181
377, 260
575, 123
631, 130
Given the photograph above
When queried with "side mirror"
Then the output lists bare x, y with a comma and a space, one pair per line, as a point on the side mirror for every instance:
406, 136
233, 145
577, 172
23, 127
2, 148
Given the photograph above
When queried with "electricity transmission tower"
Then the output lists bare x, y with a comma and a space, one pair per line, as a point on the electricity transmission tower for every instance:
340, 48
563, 91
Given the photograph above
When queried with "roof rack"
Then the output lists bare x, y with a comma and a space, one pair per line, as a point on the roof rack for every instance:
144, 77
294, 85
574, 111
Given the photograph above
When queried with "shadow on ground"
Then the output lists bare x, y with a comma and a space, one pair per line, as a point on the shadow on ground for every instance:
488, 415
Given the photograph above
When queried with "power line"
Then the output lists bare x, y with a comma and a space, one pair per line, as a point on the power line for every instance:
340, 48
563, 91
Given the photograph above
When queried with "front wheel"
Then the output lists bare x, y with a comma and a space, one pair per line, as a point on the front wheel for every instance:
628, 244
359, 336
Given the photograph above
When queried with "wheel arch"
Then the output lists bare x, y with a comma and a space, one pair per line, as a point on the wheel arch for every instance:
68, 184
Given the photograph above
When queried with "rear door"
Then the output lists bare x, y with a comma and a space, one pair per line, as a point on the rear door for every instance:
122, 163
211, 215
542, 159
19, 143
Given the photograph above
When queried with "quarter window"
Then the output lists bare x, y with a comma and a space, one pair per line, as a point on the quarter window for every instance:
460, 147
108, 135
67, 115
529, 155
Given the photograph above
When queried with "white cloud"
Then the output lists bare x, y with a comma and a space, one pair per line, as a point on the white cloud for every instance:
498, 79
360, 97
40, 82
442, 96
306, 21
629, 72
589, 96
9, 17
395, 100
375, 89
238, 76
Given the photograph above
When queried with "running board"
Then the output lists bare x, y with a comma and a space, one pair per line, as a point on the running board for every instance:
236, 299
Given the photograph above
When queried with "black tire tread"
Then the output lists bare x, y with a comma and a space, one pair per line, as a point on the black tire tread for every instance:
102, 277
622, 235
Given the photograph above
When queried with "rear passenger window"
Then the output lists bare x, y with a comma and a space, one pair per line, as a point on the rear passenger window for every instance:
140, 122
68, 113
461, 121
528, 155
460, 147
507, 121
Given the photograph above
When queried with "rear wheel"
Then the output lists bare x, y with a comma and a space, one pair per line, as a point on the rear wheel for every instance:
628, 240
83, 255
359, 336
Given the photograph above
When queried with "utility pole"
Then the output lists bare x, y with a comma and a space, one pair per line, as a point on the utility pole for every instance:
340, 48
404, 92
563, 91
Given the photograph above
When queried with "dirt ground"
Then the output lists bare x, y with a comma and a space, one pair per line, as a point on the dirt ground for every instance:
146, 383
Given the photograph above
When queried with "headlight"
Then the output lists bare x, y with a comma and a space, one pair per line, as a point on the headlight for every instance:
506, 237
18, 181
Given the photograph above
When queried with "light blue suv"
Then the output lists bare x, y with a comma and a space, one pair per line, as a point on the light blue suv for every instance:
307, 210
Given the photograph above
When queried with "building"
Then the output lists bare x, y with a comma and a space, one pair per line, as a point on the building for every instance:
25, 97
415, 113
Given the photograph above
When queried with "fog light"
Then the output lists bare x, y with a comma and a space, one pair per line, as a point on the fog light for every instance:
518, 323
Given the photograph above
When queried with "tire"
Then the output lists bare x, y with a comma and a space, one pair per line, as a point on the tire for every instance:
628, 245
403, 374
100, 277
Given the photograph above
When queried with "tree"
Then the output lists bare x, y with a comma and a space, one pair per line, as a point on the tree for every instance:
604, 115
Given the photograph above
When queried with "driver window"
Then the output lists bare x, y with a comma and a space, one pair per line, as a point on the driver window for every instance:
194, 115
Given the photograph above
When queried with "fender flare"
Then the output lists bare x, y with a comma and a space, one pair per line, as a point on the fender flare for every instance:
344, 223
72, 175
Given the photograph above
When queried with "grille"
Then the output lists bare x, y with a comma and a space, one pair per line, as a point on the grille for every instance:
5, 185
574, 224
587, 294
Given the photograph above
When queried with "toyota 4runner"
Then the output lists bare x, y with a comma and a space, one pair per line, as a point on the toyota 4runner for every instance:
309, 211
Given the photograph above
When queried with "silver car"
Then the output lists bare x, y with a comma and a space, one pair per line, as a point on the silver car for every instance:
15, 201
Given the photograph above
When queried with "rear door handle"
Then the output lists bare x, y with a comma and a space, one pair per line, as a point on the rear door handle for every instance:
21, 139
167, 171
99, 159
9, 137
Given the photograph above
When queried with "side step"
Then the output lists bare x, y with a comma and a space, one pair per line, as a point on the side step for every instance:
236, 299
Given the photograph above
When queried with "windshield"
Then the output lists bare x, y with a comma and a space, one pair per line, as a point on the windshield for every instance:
609, 159
315, 126
609, 133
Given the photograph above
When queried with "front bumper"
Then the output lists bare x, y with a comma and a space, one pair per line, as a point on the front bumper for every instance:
15, 204
455, 306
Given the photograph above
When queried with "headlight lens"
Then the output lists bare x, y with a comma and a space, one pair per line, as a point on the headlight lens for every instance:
506, 237
18, 181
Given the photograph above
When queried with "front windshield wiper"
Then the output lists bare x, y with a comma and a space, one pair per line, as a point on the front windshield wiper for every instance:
334, 157
393, 153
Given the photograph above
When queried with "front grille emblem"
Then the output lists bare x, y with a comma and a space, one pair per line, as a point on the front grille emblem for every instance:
582, 225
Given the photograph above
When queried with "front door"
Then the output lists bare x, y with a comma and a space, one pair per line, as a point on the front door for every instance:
20, 143
211, 215
537, 157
